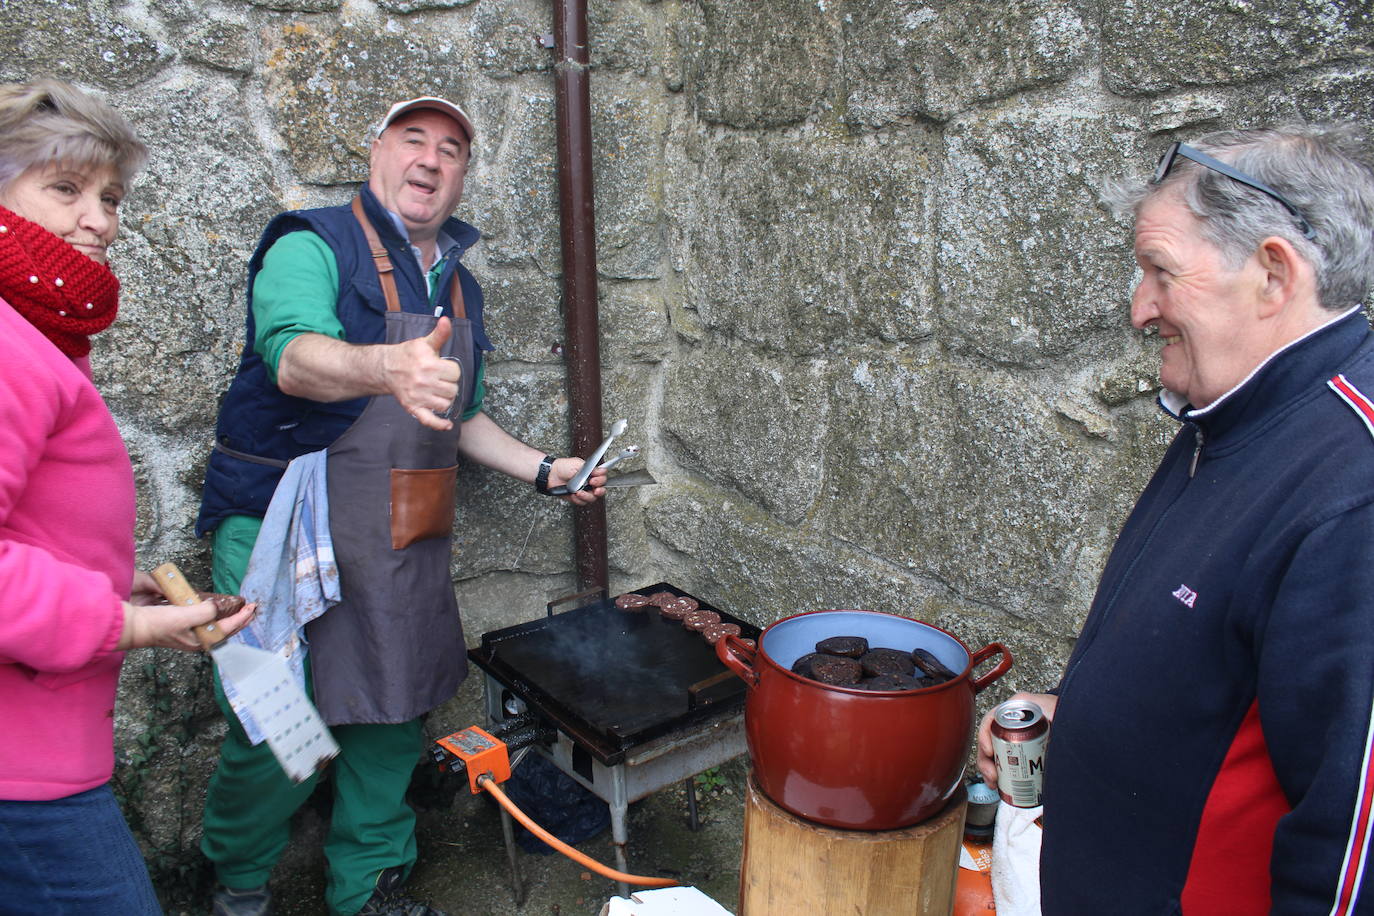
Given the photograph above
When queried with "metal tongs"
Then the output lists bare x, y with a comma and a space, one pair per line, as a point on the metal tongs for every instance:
627, 452
580, 478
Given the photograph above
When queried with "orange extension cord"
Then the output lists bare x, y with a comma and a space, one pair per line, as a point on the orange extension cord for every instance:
486, 782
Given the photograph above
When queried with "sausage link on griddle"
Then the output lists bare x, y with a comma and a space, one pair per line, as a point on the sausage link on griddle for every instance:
671, 610
714, 633
700, 620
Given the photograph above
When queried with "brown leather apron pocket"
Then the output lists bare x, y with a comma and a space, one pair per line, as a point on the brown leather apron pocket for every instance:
421, 504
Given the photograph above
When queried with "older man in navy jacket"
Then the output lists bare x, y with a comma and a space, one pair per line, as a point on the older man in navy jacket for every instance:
1210, 747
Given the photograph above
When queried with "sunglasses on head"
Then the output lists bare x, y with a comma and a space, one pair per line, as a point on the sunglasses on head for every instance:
1177, 149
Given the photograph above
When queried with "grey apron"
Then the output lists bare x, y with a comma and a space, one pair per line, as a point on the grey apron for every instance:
392, 648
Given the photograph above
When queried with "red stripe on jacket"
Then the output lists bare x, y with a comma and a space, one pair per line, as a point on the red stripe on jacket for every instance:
1356, 849
1362, 406
1357, 846
1229, 871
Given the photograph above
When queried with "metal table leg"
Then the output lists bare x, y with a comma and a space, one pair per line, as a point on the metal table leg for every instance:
619, 804
516, 881
693, 823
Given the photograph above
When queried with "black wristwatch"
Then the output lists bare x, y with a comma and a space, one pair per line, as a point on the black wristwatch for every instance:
541, 478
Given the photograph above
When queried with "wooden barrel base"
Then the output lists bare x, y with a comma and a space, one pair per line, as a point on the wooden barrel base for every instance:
794, 866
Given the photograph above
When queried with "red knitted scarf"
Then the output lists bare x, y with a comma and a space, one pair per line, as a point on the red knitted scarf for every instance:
63, 293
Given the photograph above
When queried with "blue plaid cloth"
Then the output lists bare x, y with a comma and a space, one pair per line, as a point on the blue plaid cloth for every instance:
291, 574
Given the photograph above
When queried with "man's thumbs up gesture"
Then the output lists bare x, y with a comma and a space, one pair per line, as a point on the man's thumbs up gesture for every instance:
425, 383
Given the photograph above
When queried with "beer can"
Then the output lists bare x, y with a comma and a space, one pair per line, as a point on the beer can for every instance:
1020, 732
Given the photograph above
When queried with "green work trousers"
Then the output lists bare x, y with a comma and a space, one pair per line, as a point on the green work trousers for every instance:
250, 800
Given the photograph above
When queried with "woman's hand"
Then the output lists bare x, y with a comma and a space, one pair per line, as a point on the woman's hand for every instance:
150, 621
987, 762
169, 625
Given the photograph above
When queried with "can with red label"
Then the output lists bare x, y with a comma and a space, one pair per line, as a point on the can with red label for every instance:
1020, 732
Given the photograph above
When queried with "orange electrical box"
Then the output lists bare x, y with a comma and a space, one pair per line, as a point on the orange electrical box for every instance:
480, 753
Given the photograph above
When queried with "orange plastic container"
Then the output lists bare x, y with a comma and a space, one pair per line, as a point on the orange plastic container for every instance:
973, 894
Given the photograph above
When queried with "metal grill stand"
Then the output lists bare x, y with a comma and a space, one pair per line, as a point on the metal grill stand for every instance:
646, 768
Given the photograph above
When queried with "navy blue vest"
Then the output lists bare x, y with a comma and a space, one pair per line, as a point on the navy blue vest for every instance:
260, 427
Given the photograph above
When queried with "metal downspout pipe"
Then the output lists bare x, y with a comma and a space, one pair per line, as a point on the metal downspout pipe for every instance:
576, 209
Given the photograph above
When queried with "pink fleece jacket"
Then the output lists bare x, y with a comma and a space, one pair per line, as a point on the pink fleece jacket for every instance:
66, 562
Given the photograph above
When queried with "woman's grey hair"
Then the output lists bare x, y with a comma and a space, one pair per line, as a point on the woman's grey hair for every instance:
47, 121
1325, 171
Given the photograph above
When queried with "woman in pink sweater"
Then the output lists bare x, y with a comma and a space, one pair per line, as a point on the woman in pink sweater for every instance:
70, 599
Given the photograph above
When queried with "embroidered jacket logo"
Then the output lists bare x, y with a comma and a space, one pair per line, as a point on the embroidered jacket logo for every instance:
1186, 595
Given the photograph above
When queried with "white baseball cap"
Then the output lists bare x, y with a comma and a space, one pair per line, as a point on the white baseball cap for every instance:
433, 103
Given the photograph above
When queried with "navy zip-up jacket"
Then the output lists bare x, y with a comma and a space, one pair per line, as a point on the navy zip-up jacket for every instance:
1210, 752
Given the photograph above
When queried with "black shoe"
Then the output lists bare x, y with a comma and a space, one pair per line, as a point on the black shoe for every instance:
387, 899
253, 901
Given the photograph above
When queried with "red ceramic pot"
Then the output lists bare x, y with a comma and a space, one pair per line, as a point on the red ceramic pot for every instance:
857, 759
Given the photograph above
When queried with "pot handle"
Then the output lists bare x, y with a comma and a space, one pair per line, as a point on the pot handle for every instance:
738, 657
982, 655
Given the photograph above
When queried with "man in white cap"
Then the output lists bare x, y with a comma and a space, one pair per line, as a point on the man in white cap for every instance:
364, 342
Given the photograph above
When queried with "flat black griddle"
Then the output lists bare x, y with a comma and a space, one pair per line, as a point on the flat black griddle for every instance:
612, 679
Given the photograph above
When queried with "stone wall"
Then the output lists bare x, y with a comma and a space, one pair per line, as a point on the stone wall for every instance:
860, 303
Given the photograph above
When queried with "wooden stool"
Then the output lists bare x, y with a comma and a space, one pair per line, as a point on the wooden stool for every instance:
792, 865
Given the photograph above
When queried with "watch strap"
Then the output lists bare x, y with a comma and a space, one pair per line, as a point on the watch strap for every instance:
541, 477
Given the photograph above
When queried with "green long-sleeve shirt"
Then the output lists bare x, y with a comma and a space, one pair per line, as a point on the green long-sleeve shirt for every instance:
295, 293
